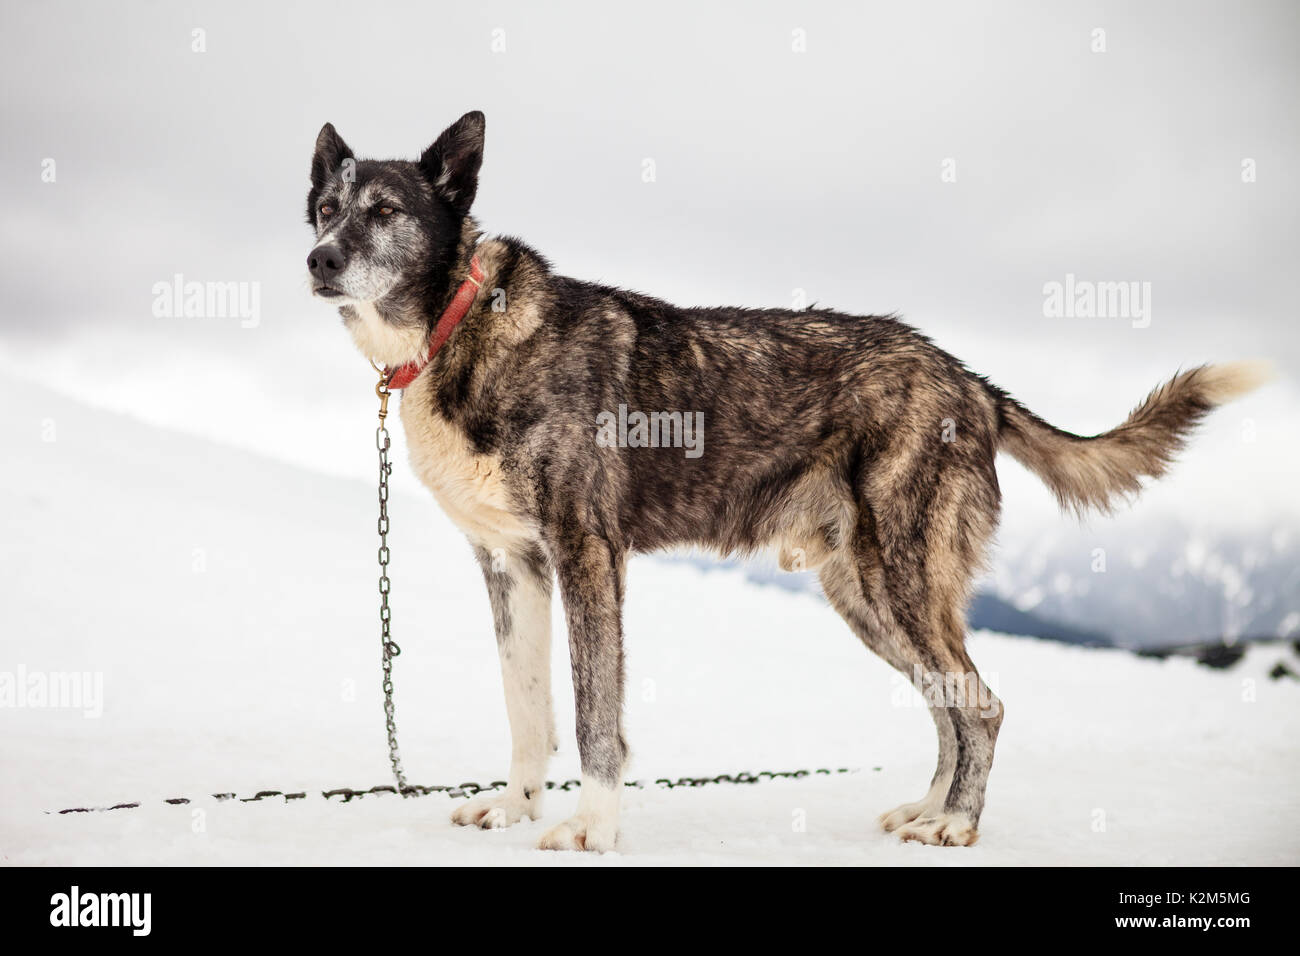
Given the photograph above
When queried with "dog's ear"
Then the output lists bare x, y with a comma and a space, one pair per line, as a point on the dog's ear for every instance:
330, 153
452, 163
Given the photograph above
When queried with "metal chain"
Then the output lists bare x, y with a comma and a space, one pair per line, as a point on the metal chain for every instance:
389, 647
347, 794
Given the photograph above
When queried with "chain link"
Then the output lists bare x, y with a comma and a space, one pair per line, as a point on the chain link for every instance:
469, 789
388, 646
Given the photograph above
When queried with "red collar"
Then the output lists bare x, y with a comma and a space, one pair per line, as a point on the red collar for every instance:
404, 375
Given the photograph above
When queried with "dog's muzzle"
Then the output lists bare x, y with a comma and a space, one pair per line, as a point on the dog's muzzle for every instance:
325, 263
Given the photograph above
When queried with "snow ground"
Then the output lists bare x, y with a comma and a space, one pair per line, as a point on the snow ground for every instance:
229, 602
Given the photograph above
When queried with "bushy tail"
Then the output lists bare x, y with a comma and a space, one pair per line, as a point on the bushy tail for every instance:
1094, 472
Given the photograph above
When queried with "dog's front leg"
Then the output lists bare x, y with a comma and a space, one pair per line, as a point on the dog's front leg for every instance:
591, 582
519, 586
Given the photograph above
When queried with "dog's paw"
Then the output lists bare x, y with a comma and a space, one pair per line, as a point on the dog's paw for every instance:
579, 833
942, 829
495, 812
895, 818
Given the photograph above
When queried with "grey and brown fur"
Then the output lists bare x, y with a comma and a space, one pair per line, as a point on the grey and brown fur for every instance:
849, 444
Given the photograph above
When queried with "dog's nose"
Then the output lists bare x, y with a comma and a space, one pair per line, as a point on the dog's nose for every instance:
325, 262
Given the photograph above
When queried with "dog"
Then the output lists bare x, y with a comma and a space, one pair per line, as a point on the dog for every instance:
852, 445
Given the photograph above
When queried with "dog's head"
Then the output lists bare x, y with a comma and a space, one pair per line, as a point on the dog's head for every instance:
387, 231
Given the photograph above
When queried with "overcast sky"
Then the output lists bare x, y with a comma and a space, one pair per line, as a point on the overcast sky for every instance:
795, 147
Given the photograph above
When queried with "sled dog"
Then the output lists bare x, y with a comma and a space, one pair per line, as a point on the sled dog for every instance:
850, 445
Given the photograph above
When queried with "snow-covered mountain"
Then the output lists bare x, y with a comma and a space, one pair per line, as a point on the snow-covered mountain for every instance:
1149, 581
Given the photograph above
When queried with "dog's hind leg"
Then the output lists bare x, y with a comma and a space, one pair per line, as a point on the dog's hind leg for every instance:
906, 603
853, 583
519, 586
932, 545
591, 575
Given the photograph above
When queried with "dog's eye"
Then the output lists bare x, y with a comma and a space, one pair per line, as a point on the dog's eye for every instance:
327, 210
386, 210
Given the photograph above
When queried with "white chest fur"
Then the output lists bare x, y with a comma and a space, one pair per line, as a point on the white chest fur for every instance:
382, 341
469, 487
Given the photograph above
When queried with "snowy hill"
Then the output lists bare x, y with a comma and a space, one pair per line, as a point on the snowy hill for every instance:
1151, 580
229, 603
